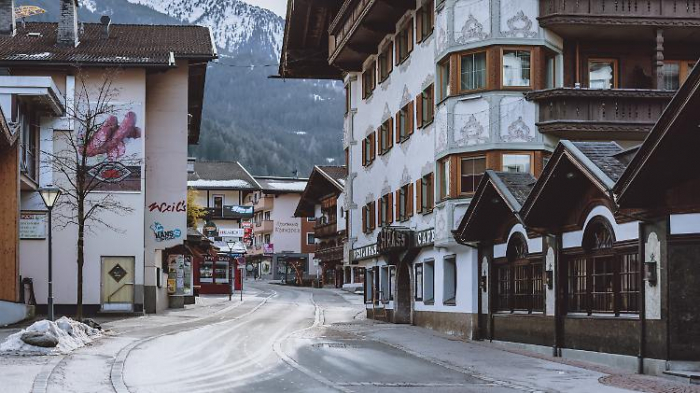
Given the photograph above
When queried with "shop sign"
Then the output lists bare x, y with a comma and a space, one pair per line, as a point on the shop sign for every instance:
32, 225
231, 232
393, 240
365, 252
268, 248
176, 274
424, 238
210, 229
237, 211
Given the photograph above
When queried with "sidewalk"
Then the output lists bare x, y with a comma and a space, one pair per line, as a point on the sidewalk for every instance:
524, 370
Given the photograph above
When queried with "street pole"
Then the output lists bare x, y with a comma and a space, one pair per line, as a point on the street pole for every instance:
50, 300
242, 270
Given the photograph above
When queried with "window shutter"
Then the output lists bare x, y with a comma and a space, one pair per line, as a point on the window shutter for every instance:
410, 35
431, 192
419, 110
397, 202
397, 122
419, 24
380, 209
389, 52
419, 196
364, 152
390, 130
409, 120
397, 45
364, 218
372, 215
409, 201
372, 146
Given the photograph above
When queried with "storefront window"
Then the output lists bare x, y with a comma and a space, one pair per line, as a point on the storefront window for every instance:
206, 270
429, 281
519, 280
221, 272
449, 284
419, 281
516, 68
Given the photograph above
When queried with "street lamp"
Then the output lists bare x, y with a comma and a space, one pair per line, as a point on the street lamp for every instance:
49, 195
230, 243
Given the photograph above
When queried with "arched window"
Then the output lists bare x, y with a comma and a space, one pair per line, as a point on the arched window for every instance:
604, 277
519, 280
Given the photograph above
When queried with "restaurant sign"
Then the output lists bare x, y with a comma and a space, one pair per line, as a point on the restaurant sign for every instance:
32, 225
393, 240
424, 238
365, 252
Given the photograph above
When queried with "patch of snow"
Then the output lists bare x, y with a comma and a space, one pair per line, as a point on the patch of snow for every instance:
287, 186
330, 160
70, 334
33, 55
233, 183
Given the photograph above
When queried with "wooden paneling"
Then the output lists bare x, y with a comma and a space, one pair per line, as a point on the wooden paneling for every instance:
9, 223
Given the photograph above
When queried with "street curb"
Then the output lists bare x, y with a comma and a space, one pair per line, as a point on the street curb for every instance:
41, 381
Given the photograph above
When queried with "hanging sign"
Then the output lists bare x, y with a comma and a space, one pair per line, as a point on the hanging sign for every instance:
32, 225
424, 238
210, 229
393, 239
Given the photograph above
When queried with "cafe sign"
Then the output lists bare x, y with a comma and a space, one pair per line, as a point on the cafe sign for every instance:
393, 240
364, 252
424, 238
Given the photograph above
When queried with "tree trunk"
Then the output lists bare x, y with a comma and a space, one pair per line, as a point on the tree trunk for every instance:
81, 258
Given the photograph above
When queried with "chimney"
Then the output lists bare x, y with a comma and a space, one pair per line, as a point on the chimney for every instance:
7, 17
106, 23
68, 23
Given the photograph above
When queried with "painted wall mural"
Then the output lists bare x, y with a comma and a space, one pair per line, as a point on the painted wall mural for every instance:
519, 18
472, 21
471, 120
517, 120
115, 150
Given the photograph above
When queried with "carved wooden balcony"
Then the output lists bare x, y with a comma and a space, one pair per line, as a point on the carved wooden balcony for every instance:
623, 114
359, 27
331, 254
323, 231
632, 18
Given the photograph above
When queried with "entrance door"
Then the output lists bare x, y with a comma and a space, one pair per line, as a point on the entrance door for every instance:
117, 283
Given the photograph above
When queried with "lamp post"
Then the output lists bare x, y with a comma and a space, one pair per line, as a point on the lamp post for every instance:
49, 195
232, 280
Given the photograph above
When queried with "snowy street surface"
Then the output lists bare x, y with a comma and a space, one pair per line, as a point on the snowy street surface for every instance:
283, 339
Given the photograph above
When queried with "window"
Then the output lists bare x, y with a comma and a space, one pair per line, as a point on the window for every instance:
347, 157
310, 219
206, 270
392, 282
219, 205
425, 21
368, 150
675, 73
369, 286
384, 63
444, 168
221, 271
473, 71
444, 79
604, 278
427, 106
602, 73
404, 42
449, 269
418, 284
368, 212
404, 197
386, 136
550, 77
519, 280
384, 288
429, 281
266, 216
310, 239
386, 211
348, 98
516, 163
425, 195
369, 82
404, 123
516, 68
267, 238
471, 171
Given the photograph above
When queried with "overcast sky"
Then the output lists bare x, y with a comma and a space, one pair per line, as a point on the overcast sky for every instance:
279, 7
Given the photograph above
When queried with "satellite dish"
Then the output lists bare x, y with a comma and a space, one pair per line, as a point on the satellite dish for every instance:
25, 11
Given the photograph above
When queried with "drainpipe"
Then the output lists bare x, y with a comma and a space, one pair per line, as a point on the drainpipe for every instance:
642, 306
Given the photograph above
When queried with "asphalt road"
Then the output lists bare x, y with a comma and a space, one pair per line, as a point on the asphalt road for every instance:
279, 339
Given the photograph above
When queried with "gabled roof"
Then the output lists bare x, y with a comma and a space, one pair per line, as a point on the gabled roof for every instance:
324, 180
499, 194
222, 175
127, 45
281, 185
667, 157
572, 167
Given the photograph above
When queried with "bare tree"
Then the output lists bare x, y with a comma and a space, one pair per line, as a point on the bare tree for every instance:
90, 161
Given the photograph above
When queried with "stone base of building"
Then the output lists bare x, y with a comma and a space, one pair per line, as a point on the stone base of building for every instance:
176, 302
462, 325
70, 310
381, 315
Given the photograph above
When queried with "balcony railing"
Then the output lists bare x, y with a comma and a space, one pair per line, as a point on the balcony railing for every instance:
625, 8
586, 113
264, 203
322, 231
264, 226
331, 254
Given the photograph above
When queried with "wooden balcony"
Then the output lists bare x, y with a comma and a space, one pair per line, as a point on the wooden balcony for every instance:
323, 231
359, 27
331, 254
622, 114
634, 19
264, 203
264, 226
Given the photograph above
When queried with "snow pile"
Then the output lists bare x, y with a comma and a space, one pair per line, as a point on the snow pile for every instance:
69, 334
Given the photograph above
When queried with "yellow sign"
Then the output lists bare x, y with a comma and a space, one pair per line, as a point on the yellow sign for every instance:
25, 11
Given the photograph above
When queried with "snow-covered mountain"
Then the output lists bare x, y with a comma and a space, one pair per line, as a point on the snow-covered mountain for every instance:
235, 24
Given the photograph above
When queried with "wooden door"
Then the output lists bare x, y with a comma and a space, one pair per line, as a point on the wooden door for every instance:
117, 283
